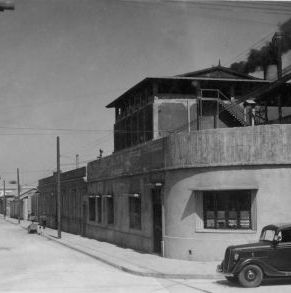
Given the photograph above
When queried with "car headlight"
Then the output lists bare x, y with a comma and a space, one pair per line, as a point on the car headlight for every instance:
236, 256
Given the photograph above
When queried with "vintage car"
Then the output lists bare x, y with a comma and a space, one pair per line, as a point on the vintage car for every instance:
250, 263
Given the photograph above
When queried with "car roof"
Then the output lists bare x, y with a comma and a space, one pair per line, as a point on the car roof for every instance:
278, 226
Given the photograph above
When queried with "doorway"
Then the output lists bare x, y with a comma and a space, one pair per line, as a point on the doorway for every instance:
157, 220
84, 218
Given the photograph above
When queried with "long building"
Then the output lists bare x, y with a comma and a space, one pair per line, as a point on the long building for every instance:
199, 162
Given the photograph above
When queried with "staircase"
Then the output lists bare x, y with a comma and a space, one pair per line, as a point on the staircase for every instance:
230, 112
236, 111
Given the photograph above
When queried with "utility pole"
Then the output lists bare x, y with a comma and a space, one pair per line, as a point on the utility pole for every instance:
277, 40
6, 5
18, 195
59, 216
4, 195
77, 161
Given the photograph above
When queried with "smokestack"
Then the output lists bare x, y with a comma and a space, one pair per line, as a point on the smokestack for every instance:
267, 55
271, 72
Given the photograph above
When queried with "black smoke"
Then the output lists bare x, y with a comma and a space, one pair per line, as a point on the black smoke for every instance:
267, 55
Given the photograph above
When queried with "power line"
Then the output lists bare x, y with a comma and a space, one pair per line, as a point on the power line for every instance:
54, 129
69, 99
222, 5
215, 9
256, 45
72, 130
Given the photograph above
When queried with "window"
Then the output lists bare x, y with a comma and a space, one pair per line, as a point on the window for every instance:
135, 212
268, 235
92, 209
285, 235
230, 209
110, 209
99, 209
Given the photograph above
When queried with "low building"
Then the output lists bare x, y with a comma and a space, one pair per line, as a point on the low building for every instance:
5, 200
73, 189
28, 202
21, 207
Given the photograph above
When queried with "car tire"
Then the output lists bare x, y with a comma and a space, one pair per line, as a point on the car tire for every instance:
232, 279
250, 276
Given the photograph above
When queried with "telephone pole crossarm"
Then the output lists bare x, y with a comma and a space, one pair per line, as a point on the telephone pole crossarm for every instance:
6, 5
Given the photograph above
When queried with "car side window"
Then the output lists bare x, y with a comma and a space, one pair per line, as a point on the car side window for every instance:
286, 235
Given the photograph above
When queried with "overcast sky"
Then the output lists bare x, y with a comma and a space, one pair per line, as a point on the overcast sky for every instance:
63, 61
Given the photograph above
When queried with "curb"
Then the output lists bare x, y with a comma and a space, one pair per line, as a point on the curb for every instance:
136, 272
126, 269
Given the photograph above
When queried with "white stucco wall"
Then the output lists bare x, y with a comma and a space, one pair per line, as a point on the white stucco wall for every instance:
181, 238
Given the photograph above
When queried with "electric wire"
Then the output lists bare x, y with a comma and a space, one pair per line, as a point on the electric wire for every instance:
246, 51
226, 5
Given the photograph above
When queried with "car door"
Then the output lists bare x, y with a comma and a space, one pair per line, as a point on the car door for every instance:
281, 259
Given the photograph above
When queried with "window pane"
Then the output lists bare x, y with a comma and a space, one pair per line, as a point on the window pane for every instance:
92, 211
209, 212
110, 210
135, 212
99, 209
286, 236
230, 209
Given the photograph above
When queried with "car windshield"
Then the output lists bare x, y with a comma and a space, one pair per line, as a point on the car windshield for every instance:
268, 235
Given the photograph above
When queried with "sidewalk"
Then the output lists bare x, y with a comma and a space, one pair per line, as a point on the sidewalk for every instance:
131, 261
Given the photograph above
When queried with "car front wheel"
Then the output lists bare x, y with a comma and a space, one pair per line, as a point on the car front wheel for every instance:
250, 276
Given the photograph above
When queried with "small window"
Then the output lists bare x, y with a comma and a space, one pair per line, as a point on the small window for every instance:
99, 209
135, 212
229, 209
110, 209
92, 209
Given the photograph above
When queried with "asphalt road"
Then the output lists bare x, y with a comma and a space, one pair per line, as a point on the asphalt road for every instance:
31, 263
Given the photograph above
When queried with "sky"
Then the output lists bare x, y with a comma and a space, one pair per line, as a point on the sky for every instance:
63, 61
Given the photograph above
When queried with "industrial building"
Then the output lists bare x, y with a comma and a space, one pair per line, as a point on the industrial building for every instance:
198, 159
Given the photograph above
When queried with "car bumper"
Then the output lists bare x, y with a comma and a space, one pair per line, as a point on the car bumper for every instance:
219, 269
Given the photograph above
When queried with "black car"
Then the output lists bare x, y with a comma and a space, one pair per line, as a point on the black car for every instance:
249, 264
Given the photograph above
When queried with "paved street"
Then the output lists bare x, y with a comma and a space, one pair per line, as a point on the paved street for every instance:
31, 263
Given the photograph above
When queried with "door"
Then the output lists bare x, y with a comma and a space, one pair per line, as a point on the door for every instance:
84, 218
282, 251
157, 220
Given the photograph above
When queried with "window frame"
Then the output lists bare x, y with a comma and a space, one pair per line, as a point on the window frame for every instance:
99, 209
110, 215
135, 211
199, 213
91, 209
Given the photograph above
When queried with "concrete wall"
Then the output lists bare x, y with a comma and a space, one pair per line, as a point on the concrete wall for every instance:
256, 158
185, 239
267, 144
120, 232
73, 189
136, 160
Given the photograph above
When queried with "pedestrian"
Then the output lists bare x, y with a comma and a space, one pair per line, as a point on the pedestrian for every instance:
42, 224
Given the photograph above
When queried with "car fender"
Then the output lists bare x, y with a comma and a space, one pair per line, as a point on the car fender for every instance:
242, 263
267, 269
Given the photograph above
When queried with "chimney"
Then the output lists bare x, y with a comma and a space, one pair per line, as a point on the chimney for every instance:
271, 72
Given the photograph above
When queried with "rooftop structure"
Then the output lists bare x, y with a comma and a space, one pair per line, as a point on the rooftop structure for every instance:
215, 97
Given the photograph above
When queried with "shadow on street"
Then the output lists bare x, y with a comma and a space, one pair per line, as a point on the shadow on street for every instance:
266, 282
